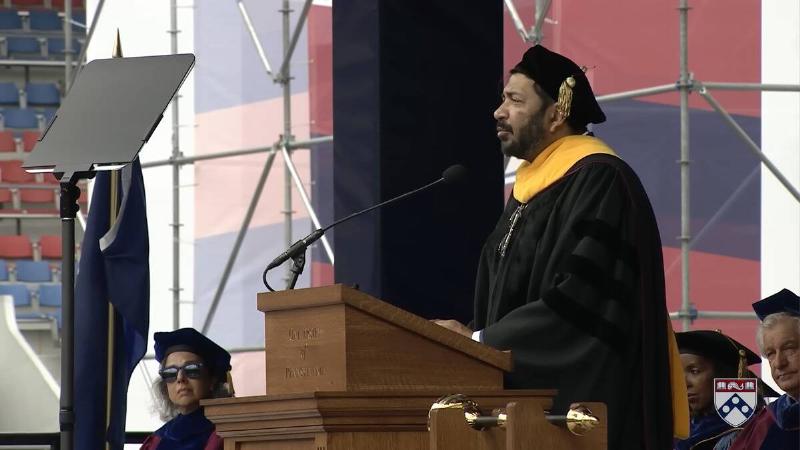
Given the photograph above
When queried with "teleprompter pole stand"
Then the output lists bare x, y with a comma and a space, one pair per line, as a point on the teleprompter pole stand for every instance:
69, 194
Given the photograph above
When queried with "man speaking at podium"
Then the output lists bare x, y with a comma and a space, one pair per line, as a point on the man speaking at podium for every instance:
571, 279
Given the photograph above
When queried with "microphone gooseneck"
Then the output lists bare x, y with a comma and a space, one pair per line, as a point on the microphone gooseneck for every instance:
451, 175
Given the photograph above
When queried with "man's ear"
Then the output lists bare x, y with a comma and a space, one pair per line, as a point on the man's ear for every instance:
556, 118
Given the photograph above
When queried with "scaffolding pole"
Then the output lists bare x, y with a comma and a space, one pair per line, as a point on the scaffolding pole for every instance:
247, 151
744, 315
238, 243
685, 86
304, 196
285, 81
67, 41
750, 144
286, 144
752, 87
259, 49
542, 8
82, 57
644, 92
512, 11
176, 168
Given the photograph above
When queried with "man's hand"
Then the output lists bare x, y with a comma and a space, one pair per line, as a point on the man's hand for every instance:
454, 325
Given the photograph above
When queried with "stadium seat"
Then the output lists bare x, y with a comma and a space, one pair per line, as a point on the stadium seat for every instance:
48, 114
5, 196
50, 246
10, 20
20, 292
50, 295
38, 196
33, 271
3, 270
20, 118
45, 20
80, 17
30, 139
18, 247
55, 47
28, 3
7, 142
57, 316
59, 4
12, 172
9, 94
18, 44
42, 94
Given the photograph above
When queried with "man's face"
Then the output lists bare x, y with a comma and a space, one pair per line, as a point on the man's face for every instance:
521, 119
699, 374
781, 350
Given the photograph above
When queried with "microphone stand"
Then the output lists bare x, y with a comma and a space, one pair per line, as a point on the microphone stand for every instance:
297, 252
298, 264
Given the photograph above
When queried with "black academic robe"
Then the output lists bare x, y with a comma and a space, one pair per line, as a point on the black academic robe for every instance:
578, 297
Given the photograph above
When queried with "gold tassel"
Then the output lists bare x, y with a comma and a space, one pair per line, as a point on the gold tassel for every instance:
564, 103
230, 384
742, 363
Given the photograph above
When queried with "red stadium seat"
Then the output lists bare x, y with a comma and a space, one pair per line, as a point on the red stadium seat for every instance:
12, 172
7, 142
16, 247
28, 3
50, 246
29, 139
5, 196
59, 4
38, 196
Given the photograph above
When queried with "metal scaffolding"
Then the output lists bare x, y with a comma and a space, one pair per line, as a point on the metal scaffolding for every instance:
685, 86
286, 143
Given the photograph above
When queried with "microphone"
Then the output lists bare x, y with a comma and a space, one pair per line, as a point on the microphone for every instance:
451, 175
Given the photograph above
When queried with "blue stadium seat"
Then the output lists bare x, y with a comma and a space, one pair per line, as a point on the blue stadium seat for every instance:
23, 45
9, 94
48, 114
33, 271
30, 316
20, 118
80, 17
43, 94
50, 295
10, 20
56, 315
3, 270
45, 20
21, 294
55, 46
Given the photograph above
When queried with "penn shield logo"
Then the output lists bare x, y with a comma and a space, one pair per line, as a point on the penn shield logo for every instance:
735, 399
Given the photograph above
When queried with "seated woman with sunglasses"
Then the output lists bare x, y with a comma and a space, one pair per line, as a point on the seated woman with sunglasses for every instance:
193, 368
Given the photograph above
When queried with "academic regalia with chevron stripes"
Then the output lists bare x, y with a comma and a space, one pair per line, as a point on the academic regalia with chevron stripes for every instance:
571, 281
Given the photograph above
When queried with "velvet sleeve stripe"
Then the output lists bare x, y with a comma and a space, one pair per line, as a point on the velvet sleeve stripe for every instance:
607, 235
584, 319
600, 279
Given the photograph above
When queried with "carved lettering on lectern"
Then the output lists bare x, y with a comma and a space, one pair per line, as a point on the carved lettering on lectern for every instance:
304, 351
303, 372
304, 334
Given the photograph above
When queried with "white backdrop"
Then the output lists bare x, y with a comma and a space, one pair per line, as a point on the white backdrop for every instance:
780, 141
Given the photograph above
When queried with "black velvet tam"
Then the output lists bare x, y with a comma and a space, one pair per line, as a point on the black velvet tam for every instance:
549, 69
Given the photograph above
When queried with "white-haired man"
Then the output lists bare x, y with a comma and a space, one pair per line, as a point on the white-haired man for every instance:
778, 425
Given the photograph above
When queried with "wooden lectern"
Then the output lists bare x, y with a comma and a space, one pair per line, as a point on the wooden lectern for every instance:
526, 428
345, 371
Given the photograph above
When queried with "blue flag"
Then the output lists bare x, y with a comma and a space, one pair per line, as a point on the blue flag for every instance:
113, 267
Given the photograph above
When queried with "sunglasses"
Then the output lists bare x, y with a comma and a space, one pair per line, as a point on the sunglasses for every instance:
192, 370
